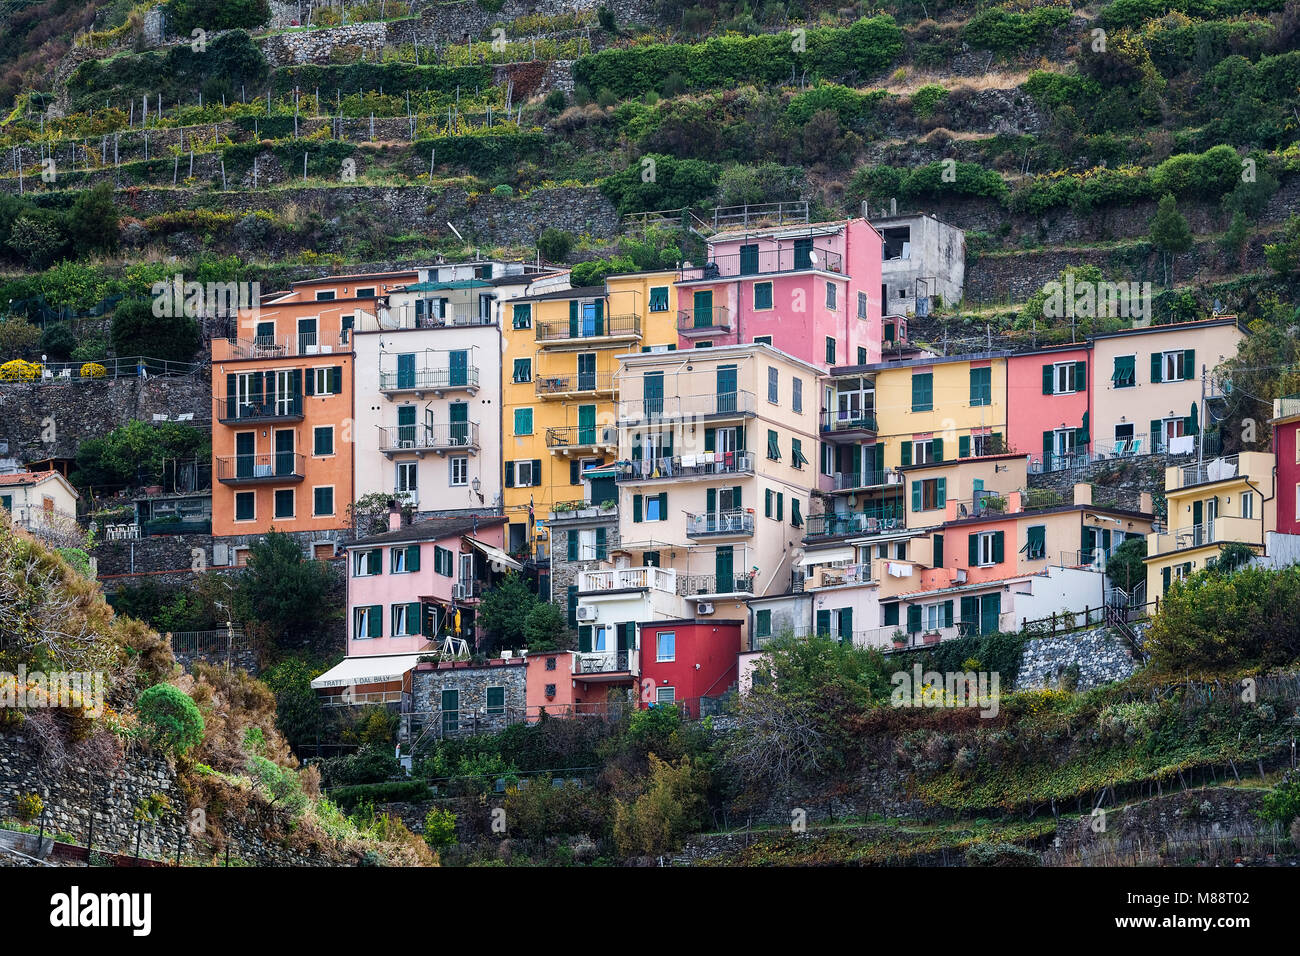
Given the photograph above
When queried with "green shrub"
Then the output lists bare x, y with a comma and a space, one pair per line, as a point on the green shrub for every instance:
57, 341
555, 244
137, 331
170, 718
29, 806
439, 828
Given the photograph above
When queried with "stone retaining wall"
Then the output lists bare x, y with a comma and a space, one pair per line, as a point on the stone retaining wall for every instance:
1101, 655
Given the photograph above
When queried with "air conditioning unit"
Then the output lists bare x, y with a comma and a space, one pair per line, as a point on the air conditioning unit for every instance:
704, 607
586, 613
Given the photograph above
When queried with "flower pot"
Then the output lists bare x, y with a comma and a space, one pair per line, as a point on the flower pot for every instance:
931, 638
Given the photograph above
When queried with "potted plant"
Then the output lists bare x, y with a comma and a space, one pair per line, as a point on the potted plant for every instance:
900, 639
932, 638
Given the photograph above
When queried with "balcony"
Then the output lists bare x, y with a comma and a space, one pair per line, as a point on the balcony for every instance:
605, 662
1214, 532
766, 262
834, 577
580, 439
576, 385
1219, 469
863, 480
692, 322
846, 425
707, 465
628, 579
457, 316
284, 409
469, 590
709, 585
612, 328
278, 468
273, 347
853, 523
724, 524
716, 406
419, 439
435, 380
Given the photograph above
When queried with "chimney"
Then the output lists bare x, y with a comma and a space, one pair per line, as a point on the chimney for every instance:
394, 515
1083, 493
1146, 504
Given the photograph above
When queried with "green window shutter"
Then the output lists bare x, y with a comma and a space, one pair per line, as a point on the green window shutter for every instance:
376, 621
573, 545
922, 392
974, 387
891, 614
936, 448
998, 545
413, 557
1080, 376
496, 700
336, 379
1036, 542
1189, 364
711, 500
573, 318
663, 506
972, 549
773, 445
763, 623
575, 472
937, 557
636, 508
376, 560
1156, 359
941, 498
602, 535
767, 503
1164, 579
947, 614
913, 618
1048, 445
780, 506
584, 638
413, 617
735, 497
823, 623
796, 518
710, 439
906, 452
510, 474
916, 496
573, 605
1049, 380
846, 625
963, 446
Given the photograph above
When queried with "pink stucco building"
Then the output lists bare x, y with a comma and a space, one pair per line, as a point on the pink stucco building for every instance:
1048, 404
811, 290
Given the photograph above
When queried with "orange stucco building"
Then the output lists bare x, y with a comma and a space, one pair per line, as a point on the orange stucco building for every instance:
283, 410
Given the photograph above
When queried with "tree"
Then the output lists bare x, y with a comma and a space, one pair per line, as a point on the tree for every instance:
545, 626
137, 331
555, 244
36, 240
505, 611
287, 594
672, 806
17, 337
57, 341
1284, 255
213, 15
1233, 242
439, 828
1125, 567
91, 223
1169, 231
171, 720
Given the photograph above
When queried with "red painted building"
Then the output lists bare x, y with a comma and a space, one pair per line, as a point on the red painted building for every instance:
684, 660
1286, 449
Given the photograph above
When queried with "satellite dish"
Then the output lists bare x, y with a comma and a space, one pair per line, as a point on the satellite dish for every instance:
812, 258
1218, 307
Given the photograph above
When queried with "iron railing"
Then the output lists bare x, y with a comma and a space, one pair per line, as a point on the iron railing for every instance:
632, 411
720, 523
283, 408
603, 327
763, 262
446, 436
577, 383
703, 321
254, 469
581, 436
687, 466
428, 379
854, 522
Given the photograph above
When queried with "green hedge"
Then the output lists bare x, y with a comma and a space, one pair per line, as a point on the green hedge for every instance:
1006, 32
866, 47
1133, 13
392, 791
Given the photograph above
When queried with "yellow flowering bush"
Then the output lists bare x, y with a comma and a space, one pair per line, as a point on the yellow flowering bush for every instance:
93, 370
20, 371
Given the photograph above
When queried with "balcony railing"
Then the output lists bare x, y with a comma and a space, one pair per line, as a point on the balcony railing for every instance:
429, 380
838, 576
452, 435
688, 466
581, 436
703, 321
697, 584
1221, 530
738, 404
853, 480
288, 408
586, 329
766, 261
603, 662
623, 579
578, 383
1216, 470
273, 347
468, 590
829, 525
836, 422
724, 523
260, 469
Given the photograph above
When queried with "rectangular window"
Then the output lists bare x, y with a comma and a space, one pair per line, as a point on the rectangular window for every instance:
923, 392
401, 614
767, 340
666, 646
323, 296
773, 385
1125, 373
459, 471
797, 460
665, 695
244, 506
862, 305
366, 293
442, 562
1063, 374
284, 503
524, 473
322, 501
796, 395
324, 381
397, 560
1248, 504
862, 355
1173, 366
367, 622
763, 623
522, 316
496, 701
830, 350
523, 421
523, 371
981, 386
830, 296
773, 446
322, 440
659, 298
762, 296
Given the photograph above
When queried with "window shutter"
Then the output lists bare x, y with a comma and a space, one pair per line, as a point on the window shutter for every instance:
937, 556
413, 557
1156, 359
906, 453
1156, 426
767, 503
936, 448
309, 386
711, 501
823, 623
891, 614
1164, 578
780, 506
336, 379
230, 396
710, 439
601, 540
1047, 449
942, 497
947, 614
972, 549
376, 624
963, 446
573, 318
663, 506
573, 545
573, 605
413, 617
970, 610
998, 545
575, 467
1189, 364
584, 639
1049, 382
916, 496
376, 559
735, 497
796, 518
636, 508
913, 618
846, 625
1080, 376
295, 382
